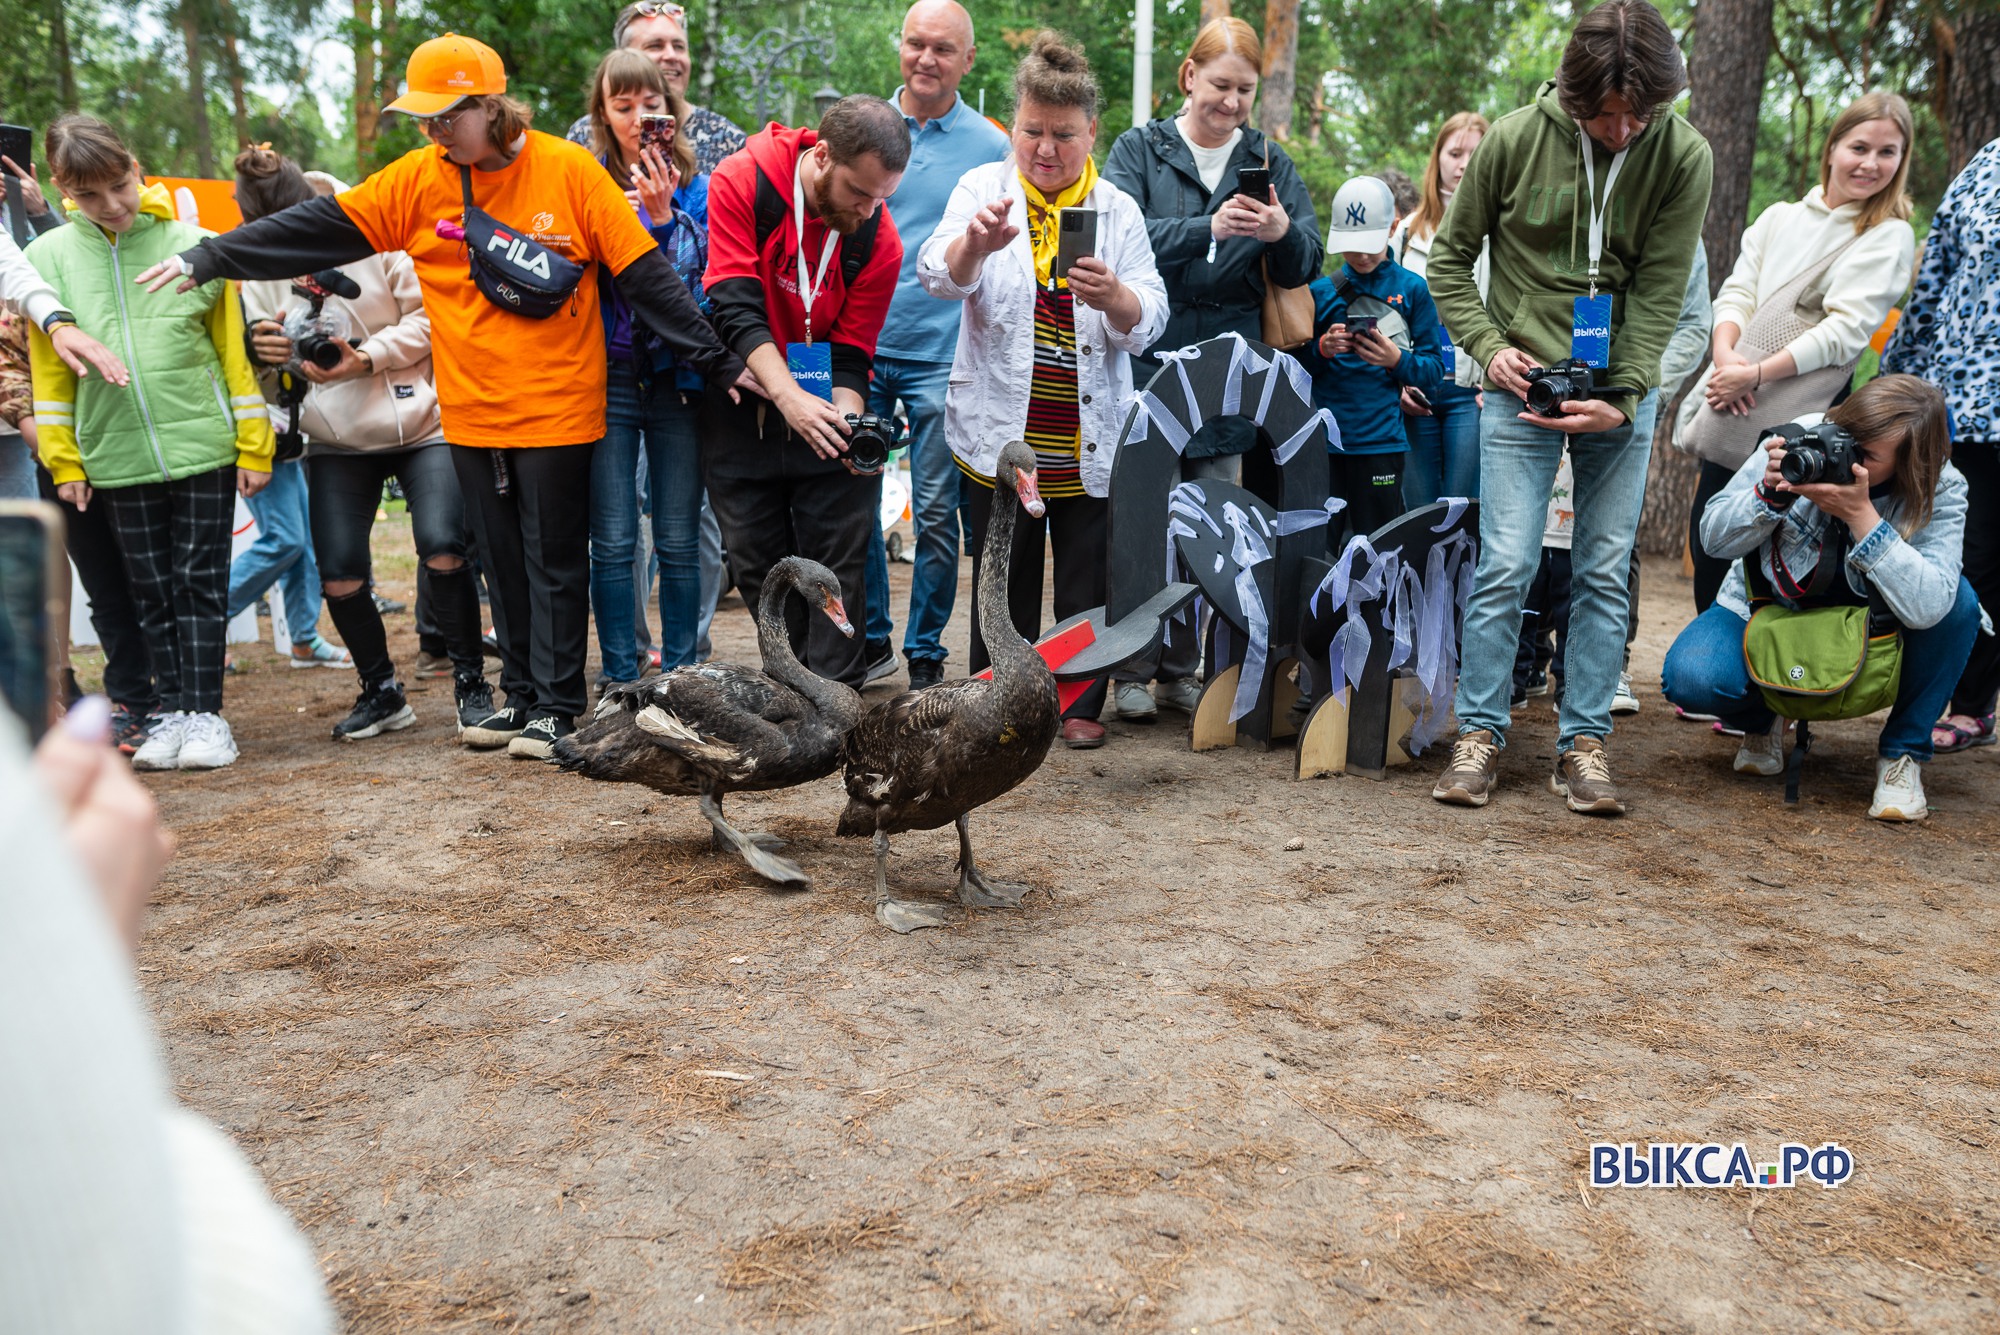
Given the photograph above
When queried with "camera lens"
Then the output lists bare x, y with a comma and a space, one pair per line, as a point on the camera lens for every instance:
321, 351
1802, 464
1547, 395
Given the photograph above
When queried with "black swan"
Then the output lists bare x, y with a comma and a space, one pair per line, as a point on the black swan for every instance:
714, 728
927, 758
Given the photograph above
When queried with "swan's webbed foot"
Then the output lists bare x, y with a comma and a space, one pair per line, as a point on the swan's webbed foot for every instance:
901, 916
753, 848
974, 889
770, 843
904, 916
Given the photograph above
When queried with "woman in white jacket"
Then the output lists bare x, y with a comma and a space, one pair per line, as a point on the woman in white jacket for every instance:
1040, 357
1821, 274
371, 416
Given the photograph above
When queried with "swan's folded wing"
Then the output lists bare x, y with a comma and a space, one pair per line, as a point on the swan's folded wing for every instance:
893, 753
717, 715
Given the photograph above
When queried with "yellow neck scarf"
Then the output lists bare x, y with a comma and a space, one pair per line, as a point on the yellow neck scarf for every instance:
1044, 214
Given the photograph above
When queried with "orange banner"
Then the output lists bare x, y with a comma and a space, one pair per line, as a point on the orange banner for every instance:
215, 201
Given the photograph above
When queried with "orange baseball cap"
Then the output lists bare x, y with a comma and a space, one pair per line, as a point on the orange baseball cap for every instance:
446, 70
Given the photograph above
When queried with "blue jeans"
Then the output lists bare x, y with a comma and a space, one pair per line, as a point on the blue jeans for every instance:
1705, 674
17, 469
1444, 449
652, 416
282, 554
1517, 469
933, 508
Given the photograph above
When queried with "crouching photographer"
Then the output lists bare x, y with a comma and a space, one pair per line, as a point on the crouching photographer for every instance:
346, 364
1859, 512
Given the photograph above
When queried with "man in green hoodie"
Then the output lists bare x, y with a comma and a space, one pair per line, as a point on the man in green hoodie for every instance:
1595, 192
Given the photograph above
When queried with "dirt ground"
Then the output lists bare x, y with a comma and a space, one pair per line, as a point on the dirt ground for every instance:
520, 1053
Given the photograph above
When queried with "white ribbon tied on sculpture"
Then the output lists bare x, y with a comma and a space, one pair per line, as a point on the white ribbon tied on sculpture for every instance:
1421, 612
1244, 365
1251, 538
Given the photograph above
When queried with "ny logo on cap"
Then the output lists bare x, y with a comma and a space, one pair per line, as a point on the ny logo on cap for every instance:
1357, 215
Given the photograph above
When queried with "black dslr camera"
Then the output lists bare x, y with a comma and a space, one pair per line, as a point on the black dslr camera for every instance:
1824, 453
869, 440
1568, 381
317, 333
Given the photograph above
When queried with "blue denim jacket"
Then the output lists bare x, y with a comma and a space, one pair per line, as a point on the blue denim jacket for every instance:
1917, 576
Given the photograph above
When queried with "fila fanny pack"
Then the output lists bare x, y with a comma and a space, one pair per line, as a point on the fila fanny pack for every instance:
514, 272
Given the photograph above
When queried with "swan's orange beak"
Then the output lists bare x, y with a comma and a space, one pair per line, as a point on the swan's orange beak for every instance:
1030, 494
836, 612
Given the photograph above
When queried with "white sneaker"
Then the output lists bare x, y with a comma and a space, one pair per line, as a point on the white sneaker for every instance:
162, 747
1132, 700
1762, 752
209, 744
1624, 701
1899, 790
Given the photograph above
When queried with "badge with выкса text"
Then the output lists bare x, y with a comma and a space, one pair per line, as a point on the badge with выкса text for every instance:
811, 364
1590, 331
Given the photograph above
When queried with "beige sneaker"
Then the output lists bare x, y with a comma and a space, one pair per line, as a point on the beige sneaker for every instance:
1583, 775
1468, 780
1762, 752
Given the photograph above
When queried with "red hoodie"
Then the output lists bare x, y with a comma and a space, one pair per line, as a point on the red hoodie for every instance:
754, 282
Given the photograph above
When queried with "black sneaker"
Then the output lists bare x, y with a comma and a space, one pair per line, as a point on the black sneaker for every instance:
537, 741
475, 701
925, 672
494, 731
129, 728
378, 709
880, 658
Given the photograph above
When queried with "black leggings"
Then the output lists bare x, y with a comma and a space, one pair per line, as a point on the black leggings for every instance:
1372, 486
1079, 528
345, 491
1709, 571
1979, 460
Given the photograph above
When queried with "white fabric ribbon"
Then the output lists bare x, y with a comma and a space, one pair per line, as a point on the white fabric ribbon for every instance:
1244, 364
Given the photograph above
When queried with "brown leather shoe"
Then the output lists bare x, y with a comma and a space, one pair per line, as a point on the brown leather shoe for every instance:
1468, 780
1583, 775
1081, 734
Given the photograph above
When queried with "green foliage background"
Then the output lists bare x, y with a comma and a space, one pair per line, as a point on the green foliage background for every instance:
1375, 77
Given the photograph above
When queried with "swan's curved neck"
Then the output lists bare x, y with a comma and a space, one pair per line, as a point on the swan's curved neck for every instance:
1004, 644
774, 646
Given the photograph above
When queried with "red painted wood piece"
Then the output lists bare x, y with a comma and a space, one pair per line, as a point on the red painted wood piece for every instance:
1056, 650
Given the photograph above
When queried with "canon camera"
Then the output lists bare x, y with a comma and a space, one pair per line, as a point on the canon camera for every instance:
869, 440
1568, 381
315, 331
1823, 453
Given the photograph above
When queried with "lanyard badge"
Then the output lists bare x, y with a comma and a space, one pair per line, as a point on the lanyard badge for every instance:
809, 291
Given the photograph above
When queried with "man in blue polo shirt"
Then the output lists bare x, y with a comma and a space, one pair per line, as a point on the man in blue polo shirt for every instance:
913, 355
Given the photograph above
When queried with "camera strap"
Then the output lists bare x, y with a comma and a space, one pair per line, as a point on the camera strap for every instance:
1597, 210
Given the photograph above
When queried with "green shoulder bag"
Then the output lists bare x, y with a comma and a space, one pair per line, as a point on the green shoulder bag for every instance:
1813, 663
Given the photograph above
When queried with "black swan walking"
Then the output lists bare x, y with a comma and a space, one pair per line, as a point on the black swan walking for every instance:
714, 728
926, 758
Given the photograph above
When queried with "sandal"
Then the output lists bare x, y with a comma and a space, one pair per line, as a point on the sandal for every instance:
1961, 732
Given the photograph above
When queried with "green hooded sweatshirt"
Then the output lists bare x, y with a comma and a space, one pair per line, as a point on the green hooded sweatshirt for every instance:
1521, 189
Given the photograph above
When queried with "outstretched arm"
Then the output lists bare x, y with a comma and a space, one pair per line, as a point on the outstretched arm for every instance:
317, 234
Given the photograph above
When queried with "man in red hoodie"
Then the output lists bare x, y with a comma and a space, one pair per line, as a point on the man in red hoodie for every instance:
802, 263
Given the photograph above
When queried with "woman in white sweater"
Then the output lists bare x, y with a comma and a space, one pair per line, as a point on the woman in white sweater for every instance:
1838, 260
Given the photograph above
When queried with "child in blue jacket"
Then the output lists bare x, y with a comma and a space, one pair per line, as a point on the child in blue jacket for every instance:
1360, 373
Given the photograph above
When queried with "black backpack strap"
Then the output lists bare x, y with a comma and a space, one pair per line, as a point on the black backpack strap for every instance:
465, 185
770, 211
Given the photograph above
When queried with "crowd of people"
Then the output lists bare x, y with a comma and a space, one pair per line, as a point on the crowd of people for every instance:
639, 356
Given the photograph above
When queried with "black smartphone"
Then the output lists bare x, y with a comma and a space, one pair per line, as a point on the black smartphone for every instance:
657, 131
1255, 182
18, 142
1361, 324
1076, 238
31, 566
1418, 397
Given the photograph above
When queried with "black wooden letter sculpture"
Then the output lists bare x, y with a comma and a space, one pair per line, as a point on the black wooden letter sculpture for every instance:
1222, 377
1380, 634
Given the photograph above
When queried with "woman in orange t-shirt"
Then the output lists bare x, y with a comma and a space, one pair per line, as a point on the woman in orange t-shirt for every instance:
523, 399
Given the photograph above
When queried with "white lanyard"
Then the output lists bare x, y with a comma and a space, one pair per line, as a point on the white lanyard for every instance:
1597, 212
808, 293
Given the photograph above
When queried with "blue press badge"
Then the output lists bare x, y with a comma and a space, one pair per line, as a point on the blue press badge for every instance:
811, 364
1590, 331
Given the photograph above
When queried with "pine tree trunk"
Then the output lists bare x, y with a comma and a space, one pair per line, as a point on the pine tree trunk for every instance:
197, 81
1281, 64
239, 103
367, 112
1214, 9
65, 66
1973, 85
1732, 43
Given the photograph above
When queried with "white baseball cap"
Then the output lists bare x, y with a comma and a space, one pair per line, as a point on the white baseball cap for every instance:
1363, 213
